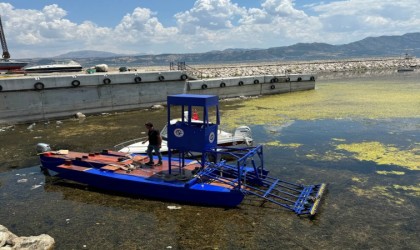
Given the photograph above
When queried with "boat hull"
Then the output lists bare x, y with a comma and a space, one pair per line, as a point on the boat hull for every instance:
53, 69
8, 65
156, 188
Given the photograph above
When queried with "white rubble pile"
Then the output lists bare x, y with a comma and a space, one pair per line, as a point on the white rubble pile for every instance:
252, 69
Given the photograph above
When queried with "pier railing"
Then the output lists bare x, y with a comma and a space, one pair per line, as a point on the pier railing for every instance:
183, 66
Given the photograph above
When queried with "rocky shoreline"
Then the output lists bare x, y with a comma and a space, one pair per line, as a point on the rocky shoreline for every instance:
295, 67
10, 241
204, 71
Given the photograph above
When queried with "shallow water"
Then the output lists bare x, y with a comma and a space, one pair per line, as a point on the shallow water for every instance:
358, 134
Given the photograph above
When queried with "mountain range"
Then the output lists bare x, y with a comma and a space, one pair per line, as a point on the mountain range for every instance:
383, 46
88, 54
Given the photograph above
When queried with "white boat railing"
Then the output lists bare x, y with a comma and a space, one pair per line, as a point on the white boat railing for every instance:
241, 135
128, 143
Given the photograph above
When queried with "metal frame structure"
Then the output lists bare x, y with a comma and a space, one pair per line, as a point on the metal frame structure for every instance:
245, 172
6, 54
249, 175
187, 135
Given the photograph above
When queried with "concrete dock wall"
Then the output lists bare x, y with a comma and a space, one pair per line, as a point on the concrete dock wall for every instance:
31, 98
252, 85
227, 87
68, 81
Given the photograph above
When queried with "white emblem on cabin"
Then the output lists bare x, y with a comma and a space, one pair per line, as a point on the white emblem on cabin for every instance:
178, 132
211, 137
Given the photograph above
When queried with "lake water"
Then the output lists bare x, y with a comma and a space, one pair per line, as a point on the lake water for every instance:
359, 133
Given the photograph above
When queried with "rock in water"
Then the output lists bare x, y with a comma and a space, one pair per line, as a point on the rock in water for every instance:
80, 115
157, 106
41, 242
8, 240
31, 127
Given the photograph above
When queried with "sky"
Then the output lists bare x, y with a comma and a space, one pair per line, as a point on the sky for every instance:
46, 28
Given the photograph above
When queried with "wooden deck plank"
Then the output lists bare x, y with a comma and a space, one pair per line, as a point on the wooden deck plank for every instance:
110, 168
73, 167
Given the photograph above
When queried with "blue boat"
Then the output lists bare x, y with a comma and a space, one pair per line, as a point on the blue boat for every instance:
210, 180
110, 170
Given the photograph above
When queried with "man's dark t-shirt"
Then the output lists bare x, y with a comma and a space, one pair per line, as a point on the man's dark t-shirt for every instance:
153, 137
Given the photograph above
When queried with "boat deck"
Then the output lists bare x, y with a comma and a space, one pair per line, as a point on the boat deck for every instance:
118, 163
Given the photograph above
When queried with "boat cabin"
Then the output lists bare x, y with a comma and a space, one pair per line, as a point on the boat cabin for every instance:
188, 134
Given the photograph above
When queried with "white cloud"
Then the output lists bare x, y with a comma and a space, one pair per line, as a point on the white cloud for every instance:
143, 26
346, 21
255, 16
271, 25
37, 28
47, 32
53, 12
208, 25
209, 14
376, 21
284, 8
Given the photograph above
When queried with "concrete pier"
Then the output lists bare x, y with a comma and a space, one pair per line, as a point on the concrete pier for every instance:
32, 98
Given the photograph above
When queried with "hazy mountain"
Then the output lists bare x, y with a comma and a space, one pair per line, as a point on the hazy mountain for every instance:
88, 54
369, 47
384, 45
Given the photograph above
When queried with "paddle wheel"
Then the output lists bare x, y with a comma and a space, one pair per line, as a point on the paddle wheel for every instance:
244, 172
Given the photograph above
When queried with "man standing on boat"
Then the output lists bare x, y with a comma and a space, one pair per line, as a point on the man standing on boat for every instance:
155, 143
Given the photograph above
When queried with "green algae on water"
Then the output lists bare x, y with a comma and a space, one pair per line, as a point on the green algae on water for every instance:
378, 192
329, 155
367, 100
390, 172
410, 190
359, 179
383, 154
280, 144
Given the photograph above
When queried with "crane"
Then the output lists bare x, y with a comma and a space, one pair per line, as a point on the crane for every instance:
6, 54
7, 65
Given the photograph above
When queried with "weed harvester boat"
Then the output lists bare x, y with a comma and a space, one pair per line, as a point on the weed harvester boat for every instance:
214, 183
